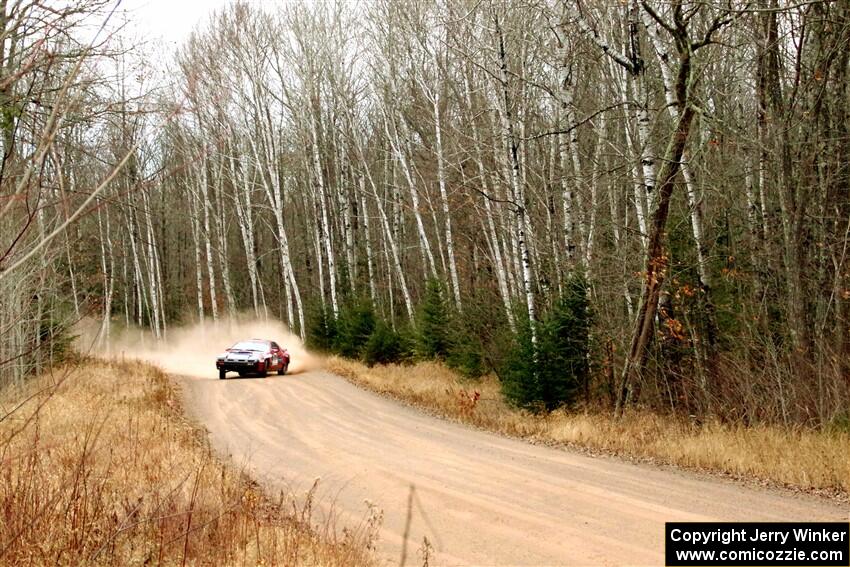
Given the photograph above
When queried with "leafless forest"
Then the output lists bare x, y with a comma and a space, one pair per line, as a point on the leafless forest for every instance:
689, 159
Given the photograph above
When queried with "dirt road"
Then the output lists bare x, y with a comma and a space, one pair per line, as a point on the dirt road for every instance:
479, 499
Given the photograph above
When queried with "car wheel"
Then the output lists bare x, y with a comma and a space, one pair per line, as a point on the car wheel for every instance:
282, 370
222, 374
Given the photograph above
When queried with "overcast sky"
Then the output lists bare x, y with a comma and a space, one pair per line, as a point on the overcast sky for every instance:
167, 21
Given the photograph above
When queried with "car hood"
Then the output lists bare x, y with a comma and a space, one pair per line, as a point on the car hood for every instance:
242, 354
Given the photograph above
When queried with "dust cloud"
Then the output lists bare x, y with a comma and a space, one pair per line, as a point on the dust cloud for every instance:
192, 350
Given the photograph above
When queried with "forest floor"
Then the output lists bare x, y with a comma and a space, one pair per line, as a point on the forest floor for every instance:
98, 465
795, 459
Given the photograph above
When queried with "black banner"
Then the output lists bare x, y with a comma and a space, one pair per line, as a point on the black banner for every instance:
693, 544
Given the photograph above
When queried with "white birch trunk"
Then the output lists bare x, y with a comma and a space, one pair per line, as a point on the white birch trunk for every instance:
615, 227
125, 279
395, 142
508, 221
107, 265
345, 213
222, 248
194, 211
138, 280
641, 210
498, 260
367, 237
399, 271
242, 190
647, 161
327, 235
566, 198
635, 78
552, 184
594, 194
151, 262
205, 203
272, 185
518, 192
320, 262
286, 260
568, 153
694, 200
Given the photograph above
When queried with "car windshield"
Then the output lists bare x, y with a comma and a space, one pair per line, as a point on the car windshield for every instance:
249, 345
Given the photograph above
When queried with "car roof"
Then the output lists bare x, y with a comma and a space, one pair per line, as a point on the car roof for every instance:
260, 341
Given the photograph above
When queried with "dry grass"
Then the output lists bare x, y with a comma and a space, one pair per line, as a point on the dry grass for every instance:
98, 466
799, 459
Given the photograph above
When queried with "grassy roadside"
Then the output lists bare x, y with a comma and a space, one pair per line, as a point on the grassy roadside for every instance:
99, 466
796, 459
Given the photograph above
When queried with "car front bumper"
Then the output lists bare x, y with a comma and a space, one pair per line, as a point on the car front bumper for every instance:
237, 365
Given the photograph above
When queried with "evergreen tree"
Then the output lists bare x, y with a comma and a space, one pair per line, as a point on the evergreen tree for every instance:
563, 368
433, 322
321, 329
355, 325
385, 346
519, 370
466, 353
550, 374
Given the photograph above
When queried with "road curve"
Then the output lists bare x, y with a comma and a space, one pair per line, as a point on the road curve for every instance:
479, 498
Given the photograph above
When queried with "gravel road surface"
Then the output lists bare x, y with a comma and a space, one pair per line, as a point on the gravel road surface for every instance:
479, 498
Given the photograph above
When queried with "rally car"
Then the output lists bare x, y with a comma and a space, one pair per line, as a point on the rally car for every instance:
255, 356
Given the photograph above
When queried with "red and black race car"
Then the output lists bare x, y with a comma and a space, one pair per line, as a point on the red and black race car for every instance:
255, 356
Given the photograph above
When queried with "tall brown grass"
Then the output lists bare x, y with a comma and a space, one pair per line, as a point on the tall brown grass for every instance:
794, 458
98, 466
